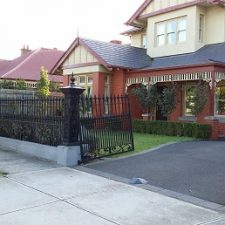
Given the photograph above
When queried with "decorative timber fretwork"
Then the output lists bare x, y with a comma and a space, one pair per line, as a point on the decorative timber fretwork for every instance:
219, 76
206, 76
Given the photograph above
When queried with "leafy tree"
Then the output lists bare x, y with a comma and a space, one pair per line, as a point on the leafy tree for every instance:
43, 83
200, 97
6, 84
167, 100
54, 86
20, 84
146, 96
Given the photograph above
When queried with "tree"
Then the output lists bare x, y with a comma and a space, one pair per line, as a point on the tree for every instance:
200, 97
20, 84
43, 83
167, 100
54, 86
146, 96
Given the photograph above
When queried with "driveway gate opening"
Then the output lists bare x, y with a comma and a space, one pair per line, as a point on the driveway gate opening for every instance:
105, 127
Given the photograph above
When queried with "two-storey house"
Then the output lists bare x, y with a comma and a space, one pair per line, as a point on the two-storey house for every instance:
180, 41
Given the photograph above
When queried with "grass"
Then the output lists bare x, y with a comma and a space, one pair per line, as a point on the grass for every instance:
2, 173
144, 142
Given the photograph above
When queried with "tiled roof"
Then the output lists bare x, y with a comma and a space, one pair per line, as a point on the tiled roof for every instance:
118, 55
28, 65
128, 57
131, 31
206, 54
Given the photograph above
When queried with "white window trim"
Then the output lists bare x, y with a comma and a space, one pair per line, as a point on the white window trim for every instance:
177, 31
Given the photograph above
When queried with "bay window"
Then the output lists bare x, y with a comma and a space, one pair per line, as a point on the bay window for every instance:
160, 34
181, 30
171, 32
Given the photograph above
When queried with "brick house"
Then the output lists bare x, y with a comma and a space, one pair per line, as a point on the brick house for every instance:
180, 41
27, 66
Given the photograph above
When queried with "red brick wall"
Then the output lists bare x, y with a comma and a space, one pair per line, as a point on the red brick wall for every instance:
221, 130
177, 112
208, 110
65, 81
136, 109
117, 82
98, 83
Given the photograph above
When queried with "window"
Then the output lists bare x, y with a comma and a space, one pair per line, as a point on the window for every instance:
82, 80
181, 30
85, 81
171, 32
160, 34
189, 100
90, 80
201, 27
220, 100
144, 41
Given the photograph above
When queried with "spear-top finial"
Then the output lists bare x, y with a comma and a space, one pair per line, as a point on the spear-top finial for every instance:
72, 79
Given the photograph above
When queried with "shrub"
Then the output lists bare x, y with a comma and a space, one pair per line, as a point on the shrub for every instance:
194, 130
188, 129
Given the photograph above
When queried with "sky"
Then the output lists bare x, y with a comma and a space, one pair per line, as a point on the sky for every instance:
56, 23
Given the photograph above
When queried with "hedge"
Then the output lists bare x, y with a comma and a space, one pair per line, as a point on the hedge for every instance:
201, 131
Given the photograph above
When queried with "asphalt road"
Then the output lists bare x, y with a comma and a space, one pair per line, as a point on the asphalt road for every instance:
192, 168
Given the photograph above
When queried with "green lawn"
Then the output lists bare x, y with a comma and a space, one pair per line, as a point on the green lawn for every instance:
144, 142
147, 141
2, 173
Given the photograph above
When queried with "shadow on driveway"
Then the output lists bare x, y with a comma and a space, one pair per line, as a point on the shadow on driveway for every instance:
191, 168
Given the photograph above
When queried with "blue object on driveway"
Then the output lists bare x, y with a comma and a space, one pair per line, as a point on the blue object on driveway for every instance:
137, 180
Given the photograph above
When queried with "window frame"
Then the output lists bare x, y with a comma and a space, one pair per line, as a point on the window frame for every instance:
216, 109
185, 99
166, 33
201, 27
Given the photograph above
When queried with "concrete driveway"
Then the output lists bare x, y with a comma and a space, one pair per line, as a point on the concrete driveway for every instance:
192, 168
56, 196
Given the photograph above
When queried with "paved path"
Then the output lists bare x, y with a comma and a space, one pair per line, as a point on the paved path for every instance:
191, 168
59, 196
12, 162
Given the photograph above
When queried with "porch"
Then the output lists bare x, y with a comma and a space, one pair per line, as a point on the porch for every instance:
186, 81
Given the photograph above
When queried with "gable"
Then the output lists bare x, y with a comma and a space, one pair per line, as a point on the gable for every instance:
79, 55
157, 5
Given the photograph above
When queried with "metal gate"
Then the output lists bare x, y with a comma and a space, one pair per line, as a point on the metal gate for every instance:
105, 127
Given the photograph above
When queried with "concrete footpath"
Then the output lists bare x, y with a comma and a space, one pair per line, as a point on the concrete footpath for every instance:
56, 196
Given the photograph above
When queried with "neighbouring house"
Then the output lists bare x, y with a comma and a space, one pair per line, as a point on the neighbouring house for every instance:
27, 66
172, 41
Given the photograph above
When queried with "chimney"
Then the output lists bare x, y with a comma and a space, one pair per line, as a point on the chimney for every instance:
116, 42
25, 50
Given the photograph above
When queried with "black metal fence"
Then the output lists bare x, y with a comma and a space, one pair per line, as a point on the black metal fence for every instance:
34, 119
105, 124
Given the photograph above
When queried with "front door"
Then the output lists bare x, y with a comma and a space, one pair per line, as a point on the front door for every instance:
159, 115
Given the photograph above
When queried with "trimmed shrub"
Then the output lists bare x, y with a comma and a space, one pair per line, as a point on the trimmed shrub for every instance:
201, 131
188, 129
179, 129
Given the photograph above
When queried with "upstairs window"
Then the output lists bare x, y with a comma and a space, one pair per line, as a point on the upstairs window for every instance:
201, 27
181, 30
171, 32
160, 34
